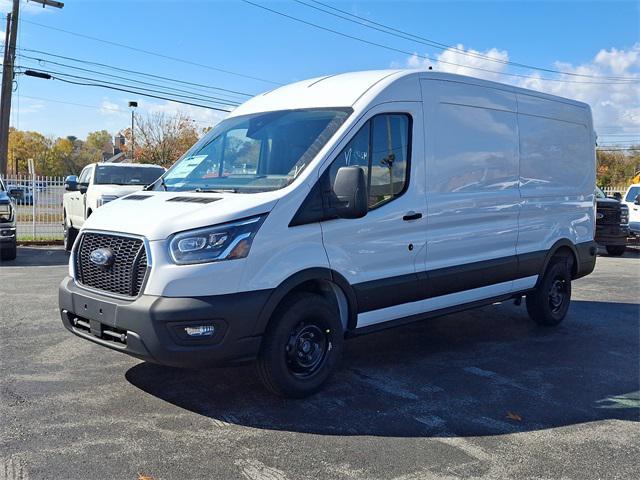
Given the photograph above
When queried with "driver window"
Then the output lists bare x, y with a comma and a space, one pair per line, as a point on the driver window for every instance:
381, 149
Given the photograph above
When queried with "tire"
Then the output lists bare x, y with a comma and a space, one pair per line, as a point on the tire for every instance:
616, 250
301, 347
549, 303
70, 235
9, 252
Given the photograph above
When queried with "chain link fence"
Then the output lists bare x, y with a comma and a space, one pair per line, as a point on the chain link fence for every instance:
39, 212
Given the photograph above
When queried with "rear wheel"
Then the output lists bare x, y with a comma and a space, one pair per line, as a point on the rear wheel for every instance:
9, 252
616, 250
549, 303
301, 347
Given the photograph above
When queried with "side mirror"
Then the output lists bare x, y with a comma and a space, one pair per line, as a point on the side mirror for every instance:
617, 196
350, 189
71, 183
15, 193
637, 202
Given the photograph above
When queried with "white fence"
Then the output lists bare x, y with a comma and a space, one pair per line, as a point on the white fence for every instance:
609, 191
39, 215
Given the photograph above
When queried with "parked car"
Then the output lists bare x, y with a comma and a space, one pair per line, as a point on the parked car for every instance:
612, 224
21, 194
338, 206
8, 247
632, 200
98, 184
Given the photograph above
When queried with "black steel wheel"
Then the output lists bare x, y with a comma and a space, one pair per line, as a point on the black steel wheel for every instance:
549, 303
616, 250
301, 346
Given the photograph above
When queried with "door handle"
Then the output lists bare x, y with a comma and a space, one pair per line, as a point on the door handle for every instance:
412, 216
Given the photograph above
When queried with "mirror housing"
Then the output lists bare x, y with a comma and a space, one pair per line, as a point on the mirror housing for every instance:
617, 196
637, 202
15, 193
71, 183
350, 189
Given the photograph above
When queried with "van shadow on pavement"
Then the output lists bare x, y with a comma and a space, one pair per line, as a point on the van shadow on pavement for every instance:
484, 372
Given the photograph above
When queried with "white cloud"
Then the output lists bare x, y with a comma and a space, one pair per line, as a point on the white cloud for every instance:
456, 61
110, 108
615, 106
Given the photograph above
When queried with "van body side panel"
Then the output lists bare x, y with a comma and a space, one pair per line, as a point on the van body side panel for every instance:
557, 173
472, 173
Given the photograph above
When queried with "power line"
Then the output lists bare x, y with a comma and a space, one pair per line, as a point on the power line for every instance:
155, 54
94, 107
425, 57
125, 70
78, 77
442, 46
102, 85
223, 101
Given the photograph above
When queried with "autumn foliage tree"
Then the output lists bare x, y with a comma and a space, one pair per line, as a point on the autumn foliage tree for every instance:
162, 138
616, 169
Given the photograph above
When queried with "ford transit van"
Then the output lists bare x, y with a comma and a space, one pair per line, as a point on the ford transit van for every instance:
334, 207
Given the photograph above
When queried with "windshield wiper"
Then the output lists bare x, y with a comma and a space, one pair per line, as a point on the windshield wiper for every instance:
216, 190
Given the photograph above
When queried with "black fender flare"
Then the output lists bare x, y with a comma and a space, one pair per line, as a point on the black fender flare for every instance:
563, 242
297, 279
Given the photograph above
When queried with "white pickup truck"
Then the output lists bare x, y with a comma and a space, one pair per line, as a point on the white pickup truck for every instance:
100, 183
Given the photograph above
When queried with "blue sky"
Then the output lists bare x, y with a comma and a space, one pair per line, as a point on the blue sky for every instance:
596, 38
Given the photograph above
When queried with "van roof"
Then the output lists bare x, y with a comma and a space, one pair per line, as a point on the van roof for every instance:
345, 89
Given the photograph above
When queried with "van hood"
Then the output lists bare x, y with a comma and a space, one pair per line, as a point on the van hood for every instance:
157, 215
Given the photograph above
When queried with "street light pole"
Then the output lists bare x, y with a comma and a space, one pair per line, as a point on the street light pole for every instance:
133, 105
8, 73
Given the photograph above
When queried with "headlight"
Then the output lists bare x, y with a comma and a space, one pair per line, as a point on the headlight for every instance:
624, 214
5, 209
213, 244
106, 199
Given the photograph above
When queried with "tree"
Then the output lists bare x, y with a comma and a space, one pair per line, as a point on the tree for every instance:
616, 168
162, 139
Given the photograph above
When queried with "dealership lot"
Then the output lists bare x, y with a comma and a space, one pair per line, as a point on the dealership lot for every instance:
483, 394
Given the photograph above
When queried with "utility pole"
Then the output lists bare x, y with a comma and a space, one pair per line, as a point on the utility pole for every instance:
133, 105
8, 73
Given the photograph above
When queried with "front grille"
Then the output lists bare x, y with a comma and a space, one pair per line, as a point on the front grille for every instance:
609, 216
124, 276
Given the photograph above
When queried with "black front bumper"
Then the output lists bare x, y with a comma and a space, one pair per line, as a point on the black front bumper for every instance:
152, 328
7, 233
612, 234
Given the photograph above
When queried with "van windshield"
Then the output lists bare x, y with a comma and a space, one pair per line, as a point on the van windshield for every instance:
255, 153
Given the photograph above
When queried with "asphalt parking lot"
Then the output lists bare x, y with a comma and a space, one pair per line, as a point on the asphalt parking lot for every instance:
482, 394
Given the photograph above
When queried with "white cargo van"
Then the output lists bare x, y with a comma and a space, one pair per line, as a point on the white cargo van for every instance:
336, 206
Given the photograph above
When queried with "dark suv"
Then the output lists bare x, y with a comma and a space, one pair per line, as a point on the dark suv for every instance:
612, 224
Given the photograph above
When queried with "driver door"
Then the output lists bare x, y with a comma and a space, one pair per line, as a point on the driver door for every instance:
382, 253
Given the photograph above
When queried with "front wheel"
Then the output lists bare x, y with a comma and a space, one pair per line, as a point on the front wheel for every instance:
616, 250
549, 303
9, 252
70, 235
301, 347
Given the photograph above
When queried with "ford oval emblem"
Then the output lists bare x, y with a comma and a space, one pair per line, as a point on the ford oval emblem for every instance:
102, 257
599, 216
